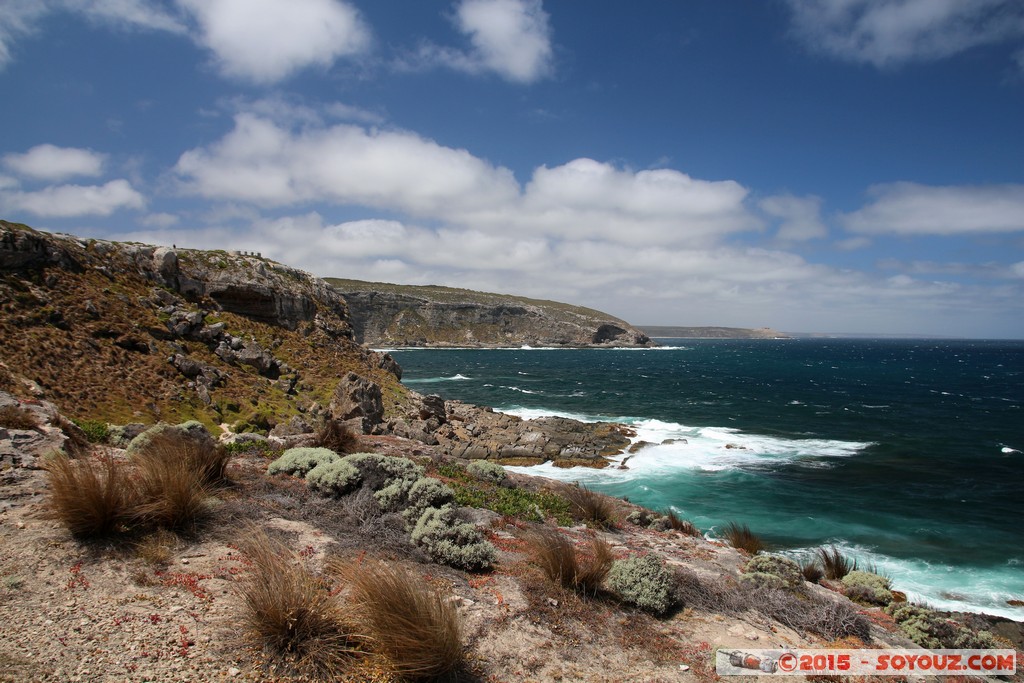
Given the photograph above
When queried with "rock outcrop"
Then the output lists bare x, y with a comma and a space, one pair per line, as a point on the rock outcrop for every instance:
400, 315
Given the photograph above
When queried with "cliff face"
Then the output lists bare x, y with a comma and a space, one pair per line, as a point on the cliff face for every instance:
405, 315
130, 332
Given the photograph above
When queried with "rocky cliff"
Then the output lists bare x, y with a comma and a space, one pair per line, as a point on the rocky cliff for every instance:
132, 333
406, 315
713, 332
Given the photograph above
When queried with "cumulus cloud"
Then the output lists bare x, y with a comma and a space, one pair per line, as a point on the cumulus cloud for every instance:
264, 41
66, 201
261, 41
262, 162
914, 209
511, 38
278, 163
893, 32
799, 217
49, 162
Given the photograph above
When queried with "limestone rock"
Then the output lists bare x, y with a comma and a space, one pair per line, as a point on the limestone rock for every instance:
358, 397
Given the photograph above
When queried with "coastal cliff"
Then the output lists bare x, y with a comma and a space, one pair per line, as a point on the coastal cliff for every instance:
384, 314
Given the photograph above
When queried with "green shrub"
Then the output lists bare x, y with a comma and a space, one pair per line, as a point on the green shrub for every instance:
487, 470
334, 477
378, 471
96, 431
932, 630
867, 587
299, 461
644, 581
449, 540
426, 493
772, 571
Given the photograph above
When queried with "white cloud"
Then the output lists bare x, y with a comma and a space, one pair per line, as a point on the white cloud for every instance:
800, 217
893, 32
127, 14
913, 209
159, 220
271, 163
17, 19
49, 162
66, 201
264, 41
511, 38
264, 163
586, 198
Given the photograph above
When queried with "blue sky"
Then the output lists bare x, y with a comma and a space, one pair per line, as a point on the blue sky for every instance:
809, 165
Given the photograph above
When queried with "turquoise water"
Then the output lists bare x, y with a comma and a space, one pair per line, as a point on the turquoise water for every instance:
904, 453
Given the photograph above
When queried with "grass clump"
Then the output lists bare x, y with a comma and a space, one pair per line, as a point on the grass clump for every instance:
90, 498
334, 435
562, 563
96, 431
290, 613
862, 586
643, 581
677, 523
449, 540
487, 471
594, 508
171, 494
15, 417
812, 571
834, 564
741, 537
334, 478
195, 450
300, 461
413, 627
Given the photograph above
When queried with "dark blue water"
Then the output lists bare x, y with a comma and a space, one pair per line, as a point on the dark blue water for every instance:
902, 452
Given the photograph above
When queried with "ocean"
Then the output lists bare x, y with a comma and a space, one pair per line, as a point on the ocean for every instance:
905, 454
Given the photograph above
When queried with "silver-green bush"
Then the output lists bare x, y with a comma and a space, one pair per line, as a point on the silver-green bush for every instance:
772, 571
867, 587
644, 581
933, 630
487, 471
449, 540
299, 461
335, 477
426, 493
378, 471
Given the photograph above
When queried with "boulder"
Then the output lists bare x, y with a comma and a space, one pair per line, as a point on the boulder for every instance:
358, 397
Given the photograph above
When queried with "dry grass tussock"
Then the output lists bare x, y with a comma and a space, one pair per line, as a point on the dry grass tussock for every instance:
834, 564
207, 459
13, 417
594, 508
171, 494
562, 563
677, 523
416, 629
290, 612
92, 498
741, 537
335, 436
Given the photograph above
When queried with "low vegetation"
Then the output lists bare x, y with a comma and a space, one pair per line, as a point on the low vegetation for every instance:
510, 501
334, 435
596, 509
299, 461
290, 613
15, 417
91, 498
449, 540
414, 628
741, 537
561, 562
643, 581
772, 571
834, 564
867, 587
933, 630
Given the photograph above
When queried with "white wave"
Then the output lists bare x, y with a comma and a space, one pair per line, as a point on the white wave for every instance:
651, 348
939, 585
423, 380
1008, 450
672, 447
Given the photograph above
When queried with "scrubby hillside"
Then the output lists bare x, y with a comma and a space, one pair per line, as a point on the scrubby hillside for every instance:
134, 333
407, 315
